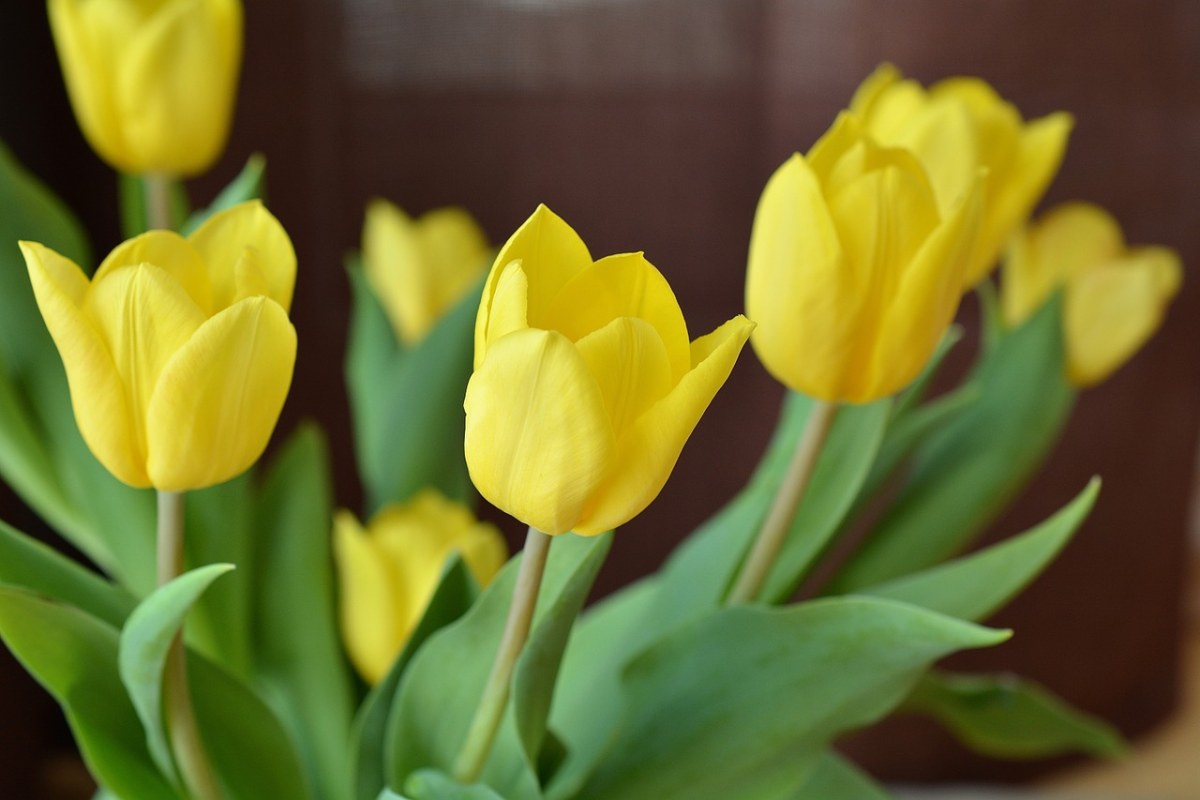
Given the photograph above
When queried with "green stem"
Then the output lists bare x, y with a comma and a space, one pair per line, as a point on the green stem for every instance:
158, 201
182, 731
481, 734
775, 528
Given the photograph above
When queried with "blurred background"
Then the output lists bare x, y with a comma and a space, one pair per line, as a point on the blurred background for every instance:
653, 125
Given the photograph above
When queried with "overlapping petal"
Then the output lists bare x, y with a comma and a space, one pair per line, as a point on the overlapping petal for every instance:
371, 606
222, 242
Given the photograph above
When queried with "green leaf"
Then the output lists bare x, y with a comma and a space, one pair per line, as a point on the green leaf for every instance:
835, 778
298, 654
142, 655
966, 473
434, 705
746, 697
133, 197
916, 391
455, 593
74, 656
1006, 717
249, 184
407, 404
28, 564
429, 784
974, 586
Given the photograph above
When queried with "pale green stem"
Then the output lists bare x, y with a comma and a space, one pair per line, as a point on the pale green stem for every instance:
787, 498
182, 731
490, 712
158, 200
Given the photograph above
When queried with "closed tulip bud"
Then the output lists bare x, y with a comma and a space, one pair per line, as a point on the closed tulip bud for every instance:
957, 126
389, 571
419, 268
178, 352
855, 271
585, 385
152, 82
1115, 296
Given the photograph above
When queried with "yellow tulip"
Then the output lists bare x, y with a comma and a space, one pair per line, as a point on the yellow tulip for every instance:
1115, 296
855, 270
585, 385
152, 82
957, 126
419, 268
178, 352
389, 571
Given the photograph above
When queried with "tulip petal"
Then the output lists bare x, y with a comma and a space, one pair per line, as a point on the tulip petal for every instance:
223, 239
175, 83
455, 248
647, 452
943, 138
371, 609
101, 406
537, 438
551, 254
219, 396
872, 87
395, 268
144, 317
168, 251
1113, 308
629, 362
799, 289
625, 285
509, 303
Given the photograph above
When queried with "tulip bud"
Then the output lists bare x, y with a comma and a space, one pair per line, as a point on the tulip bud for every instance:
152, 82
178, 352
854, 270
420, 268
585, 385
1115, 296
389, 571
957, 126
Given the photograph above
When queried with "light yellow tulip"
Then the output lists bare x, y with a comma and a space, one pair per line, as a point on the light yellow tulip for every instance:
585, 386
178, 352
419, 268
1115, 296
152, 82
389, 571
855, 271
957, 126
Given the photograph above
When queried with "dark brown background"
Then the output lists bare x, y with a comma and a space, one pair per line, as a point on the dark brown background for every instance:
653, 124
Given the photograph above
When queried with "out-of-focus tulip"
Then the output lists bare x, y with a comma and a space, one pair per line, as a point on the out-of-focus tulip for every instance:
855, 270
1115, 296
152, 82
585, 385
957, 126
178, 352
419, 268
390, 570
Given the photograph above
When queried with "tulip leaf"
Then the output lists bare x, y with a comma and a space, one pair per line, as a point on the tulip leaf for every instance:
297, 646
434, 705
1007, 717
142, 654
74, 656
133, 195
249, 184
455, 593
407, 403
748, 697
835, 778
974, 586
915, 392
429, 784
964, 474
28, 564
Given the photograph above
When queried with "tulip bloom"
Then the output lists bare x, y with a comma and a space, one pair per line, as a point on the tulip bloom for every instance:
854, 270
1115, 296
419, 268
178, 352
389, 571
152, 82
585, 385
957, 126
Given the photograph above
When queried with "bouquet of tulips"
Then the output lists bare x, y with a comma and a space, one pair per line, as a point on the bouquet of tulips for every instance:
235, 636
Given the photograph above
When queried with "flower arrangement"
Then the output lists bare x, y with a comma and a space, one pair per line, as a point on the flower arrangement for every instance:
243, 638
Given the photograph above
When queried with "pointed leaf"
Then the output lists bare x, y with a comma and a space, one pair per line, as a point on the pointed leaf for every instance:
249, 184
835, 778
429, 784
